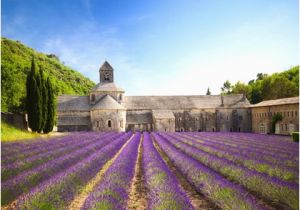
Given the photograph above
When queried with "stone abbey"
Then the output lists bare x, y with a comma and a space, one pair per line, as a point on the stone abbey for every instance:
107, 108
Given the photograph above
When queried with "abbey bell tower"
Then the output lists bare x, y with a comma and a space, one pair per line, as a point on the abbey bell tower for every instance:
106, 73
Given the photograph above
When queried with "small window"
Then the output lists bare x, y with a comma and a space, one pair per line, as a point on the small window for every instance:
240, 118
292, 114
97, 124
109, 123
296, 113
288, 114
286, 127
196, 118
93, 97
121, 123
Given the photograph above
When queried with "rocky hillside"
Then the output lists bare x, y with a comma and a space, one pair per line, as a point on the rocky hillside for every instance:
15, 64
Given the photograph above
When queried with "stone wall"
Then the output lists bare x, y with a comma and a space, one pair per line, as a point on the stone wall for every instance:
17, 120
108, 120
262, 118
225, 119
73, 121
164, 125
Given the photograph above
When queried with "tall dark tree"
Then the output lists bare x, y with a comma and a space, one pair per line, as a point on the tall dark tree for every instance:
34, 106
50, 107
208, 92
40, 100
44, 98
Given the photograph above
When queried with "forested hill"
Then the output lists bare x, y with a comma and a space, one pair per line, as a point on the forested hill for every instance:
15, 64
267, 87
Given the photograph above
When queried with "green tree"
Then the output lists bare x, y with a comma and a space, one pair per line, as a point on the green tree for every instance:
51, 107
255, 94
44, 98
227, 88
260, 76
241, 88
208, 92
34, 106
275, 118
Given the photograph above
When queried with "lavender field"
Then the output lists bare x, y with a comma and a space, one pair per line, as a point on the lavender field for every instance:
92, 170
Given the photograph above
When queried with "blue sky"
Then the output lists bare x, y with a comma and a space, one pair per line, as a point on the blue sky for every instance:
161, 47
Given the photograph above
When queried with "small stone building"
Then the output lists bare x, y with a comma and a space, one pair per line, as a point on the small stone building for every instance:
106, 108
263, 112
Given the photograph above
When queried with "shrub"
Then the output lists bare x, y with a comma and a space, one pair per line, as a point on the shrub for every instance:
295, 136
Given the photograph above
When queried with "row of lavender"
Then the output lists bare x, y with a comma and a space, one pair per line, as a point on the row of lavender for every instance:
61, 172
216, 165
213, 152
42, 171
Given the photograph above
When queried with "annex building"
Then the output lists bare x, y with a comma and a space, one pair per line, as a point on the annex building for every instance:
107, 108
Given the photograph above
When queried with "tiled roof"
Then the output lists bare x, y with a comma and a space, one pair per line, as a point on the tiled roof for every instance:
276, 102
73, 103
163, 114
110, 86
107, 102
106, 67
185, 102
138, 118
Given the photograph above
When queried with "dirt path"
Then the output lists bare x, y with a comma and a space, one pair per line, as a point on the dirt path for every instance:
198, 200
137, 196
79, 200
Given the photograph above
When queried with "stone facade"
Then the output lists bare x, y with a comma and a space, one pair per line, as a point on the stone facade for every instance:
107, 108
263, 112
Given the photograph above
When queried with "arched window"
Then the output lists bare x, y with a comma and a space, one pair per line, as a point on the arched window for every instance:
109, 123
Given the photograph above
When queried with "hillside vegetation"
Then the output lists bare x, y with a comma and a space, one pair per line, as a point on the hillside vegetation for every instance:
267, 87
15, 65
11, 133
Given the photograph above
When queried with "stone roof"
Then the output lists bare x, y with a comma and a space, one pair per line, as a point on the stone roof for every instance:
107, 102
74, 120
276, 102
73, 103
185, 102
110, 87
106, 67
163, 114
138, 118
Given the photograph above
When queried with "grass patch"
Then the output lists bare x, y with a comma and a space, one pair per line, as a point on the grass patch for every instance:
11, 133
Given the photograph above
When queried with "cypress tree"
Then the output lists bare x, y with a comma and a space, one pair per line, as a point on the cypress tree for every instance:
29, 94
39, 100
208, 92
50, 108
44, 99
33, 99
